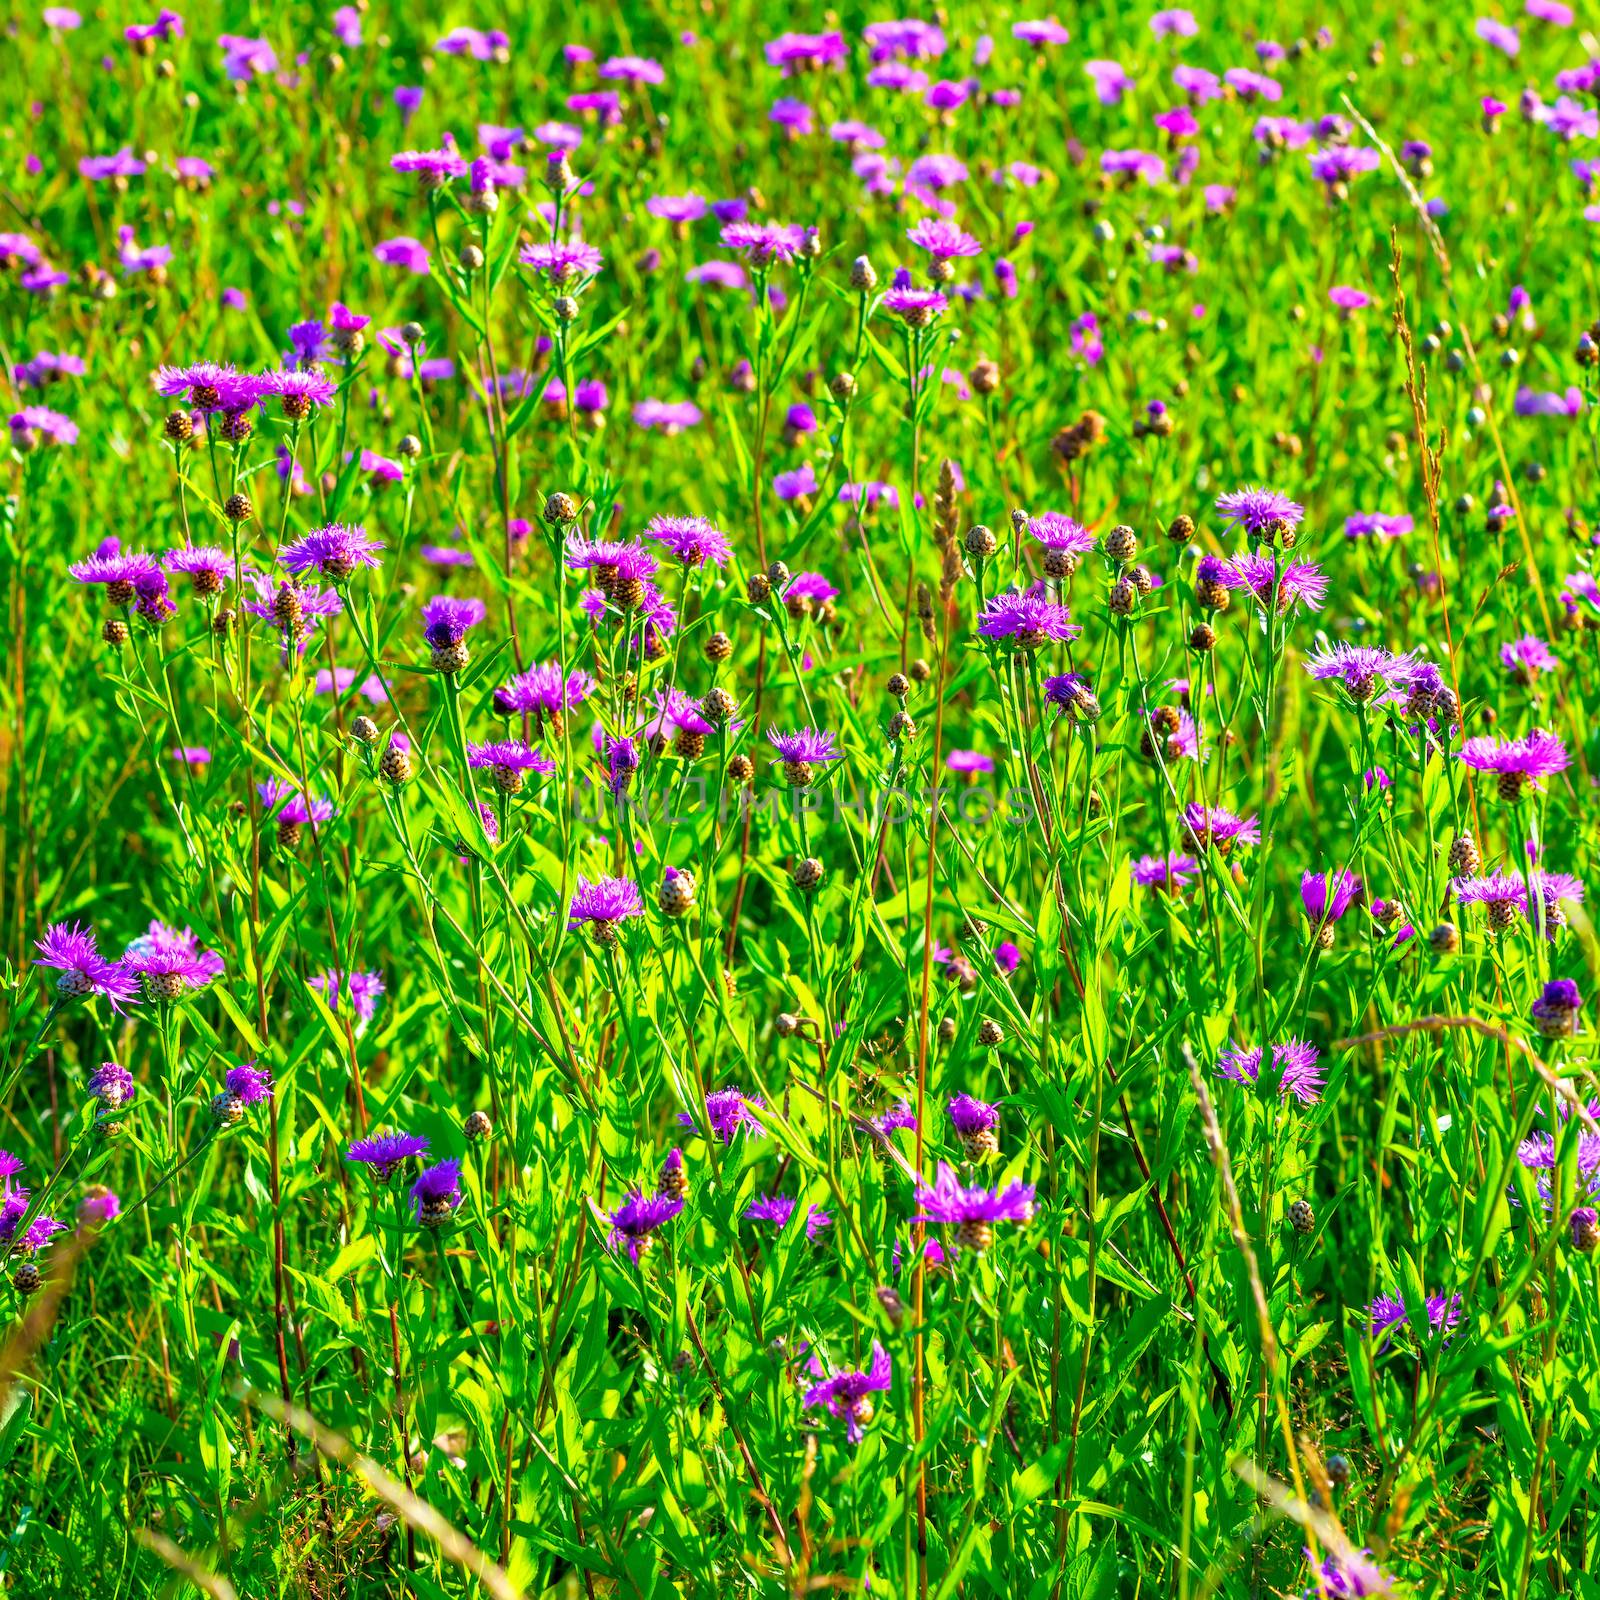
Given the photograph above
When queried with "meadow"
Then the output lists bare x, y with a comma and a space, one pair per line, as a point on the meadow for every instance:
799, 803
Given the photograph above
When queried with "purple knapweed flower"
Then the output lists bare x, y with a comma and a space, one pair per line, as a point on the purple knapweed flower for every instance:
845, 1393
69, 948
972, 1212
636, 1221
247, 1083
779, 1208
1027, 620
436, 1194
1169, 874
604, 904
1555, 1012
801, 751
1516, 763
1327, 896
510, 761
365, 990
111, 1084
446, 619
727, 1111
335, 551
1294, 1060
1388, 1312
1261, 513
1283, 585
1214, 825
942, 239
1524, 659
1362, 670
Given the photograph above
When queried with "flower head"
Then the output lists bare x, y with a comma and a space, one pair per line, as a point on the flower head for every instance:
1389, 1311
805, 747
635, 1222
1259, 511
779, 1208
1517, 762
1362, 670
1282, 584
1327, 895
111, 1084
1215, 825
727, 1111
1169, 874
70, 949
942, 239
436, 1193
604, 903
385, 1153
365, 990
693, 540
335, 551
1028, 620
972, 1212
845, 1393
445, 620
248, 1083
1294, 1060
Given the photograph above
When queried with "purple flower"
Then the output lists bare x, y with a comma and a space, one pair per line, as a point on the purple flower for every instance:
1327, 895
1294, 1060
1203, 825
69, 948
1260, 511
603, 904
1339, 163
1555, 1012
794, 51
795, 484
1527, 657
1039, 34
1285, 585
802, 750
434, 168
1174, 24
248, 1083
1499, 34
208, 567
287, 805
779, 1208
1007, 957
1027, 620
971, 1117
915, 307
123, 165
1348, 299
562, 262
124, 574
1110, 80
635, 1222
765, 242
335, 551
1517, 762
299, 392
446, 619
1169, 874
1057, 531
1532, 403
969, 761
365, 989
1361, 669
1375, 524
633, 69
727, 1111
172, 964
943, 240
1351, 1576
509, 760
436, 1193
542, 693
845, 1393
972, 1212
1388, 1312
671, 416
111, 1085
481, 46
403, 252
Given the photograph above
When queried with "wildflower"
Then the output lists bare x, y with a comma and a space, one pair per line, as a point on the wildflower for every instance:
1555, 1012
249, 1083
1291, 583
1370, 524
563, 262
335, 551
1388, 1311
763, 243
436, 1194
1040, 33
778, 1208
693, 540
1169, 874
1361, 669
969, 762
1526, 658
33, 423
1326, 897
292, 810
208, 567
916, 308
1294, 1061
403, 252
121, 575
1007, 957
39, 1232
1028, 619
972, 1212
1065, 540
1261, 513
604, 904
943, 240
801, 752
1517, 762
976, 1124
1214, 825
98, 1205
70, 949
299, 393
445, 621
1351, 1575
543, 694
111, 1085
1337, 164
845, 1394
727, 1111
364, 988
510, 760
635, 1222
